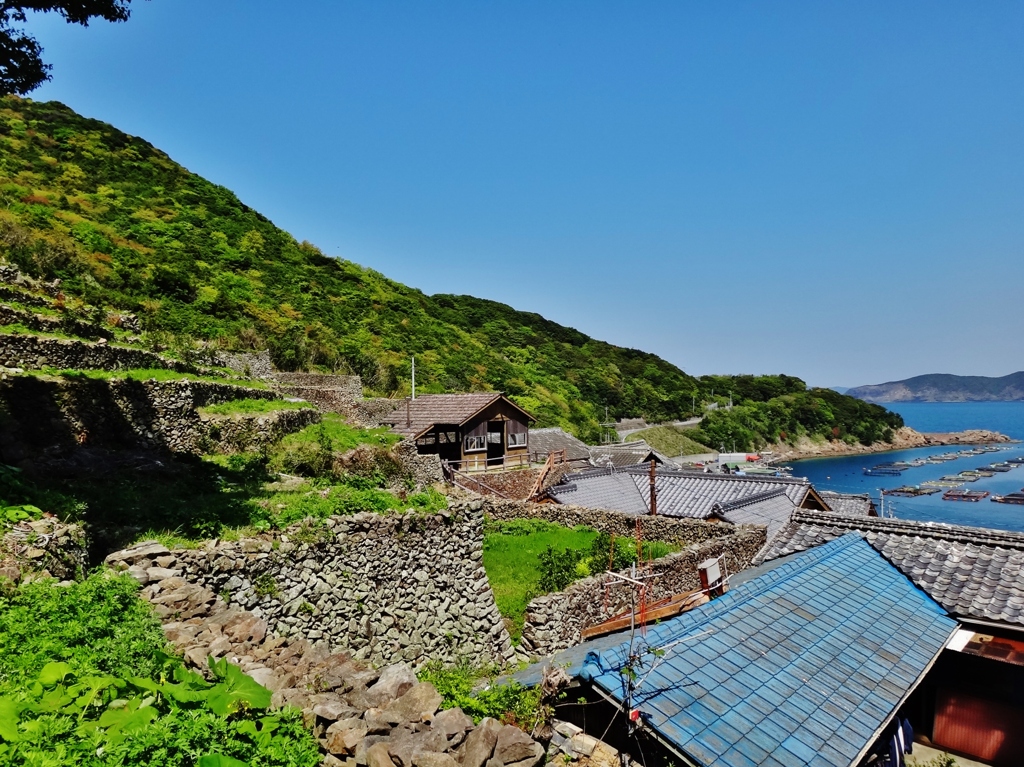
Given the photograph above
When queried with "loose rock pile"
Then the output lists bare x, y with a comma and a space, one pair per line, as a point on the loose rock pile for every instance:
43, 547
361, 716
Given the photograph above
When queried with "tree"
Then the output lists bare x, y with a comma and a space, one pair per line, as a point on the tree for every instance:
21, 65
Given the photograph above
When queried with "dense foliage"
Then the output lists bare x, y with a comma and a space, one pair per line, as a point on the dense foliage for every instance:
86, 679
817, 413
465, 686
125, 227
528, 557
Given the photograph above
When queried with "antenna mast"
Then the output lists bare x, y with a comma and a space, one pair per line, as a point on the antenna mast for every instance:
414, 378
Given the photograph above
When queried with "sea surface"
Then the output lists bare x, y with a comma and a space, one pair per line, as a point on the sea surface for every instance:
846, 473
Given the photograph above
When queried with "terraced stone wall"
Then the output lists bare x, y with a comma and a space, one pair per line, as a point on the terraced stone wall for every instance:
388, 588
50, 416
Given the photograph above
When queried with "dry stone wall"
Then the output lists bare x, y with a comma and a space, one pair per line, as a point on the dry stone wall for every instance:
554, 621
252, 364
33, 352
360, 715
403, 587
682, 532
46, 416
10, 315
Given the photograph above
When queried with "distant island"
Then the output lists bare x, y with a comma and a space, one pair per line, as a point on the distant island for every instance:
942, 387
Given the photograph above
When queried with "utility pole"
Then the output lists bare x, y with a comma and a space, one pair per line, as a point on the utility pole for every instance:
654, 492
414, 378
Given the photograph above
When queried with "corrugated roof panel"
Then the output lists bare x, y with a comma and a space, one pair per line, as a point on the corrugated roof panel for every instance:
820, 687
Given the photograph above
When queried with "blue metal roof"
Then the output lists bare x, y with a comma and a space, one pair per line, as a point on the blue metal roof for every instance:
800, 666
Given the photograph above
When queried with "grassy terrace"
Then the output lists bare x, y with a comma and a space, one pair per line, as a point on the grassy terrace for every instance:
146, 374
670, 440
527, 558
253, 406
189, 499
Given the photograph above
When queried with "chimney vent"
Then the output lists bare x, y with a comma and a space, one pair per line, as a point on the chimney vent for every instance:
711, 580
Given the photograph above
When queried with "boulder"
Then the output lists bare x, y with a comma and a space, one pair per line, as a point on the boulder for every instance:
454, 724
393, 682
333, 709
429, 759
417, 704
345, 741
377, 756
514, 745
480, 743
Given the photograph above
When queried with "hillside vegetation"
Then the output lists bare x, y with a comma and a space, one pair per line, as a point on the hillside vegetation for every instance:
123, 226
671, 440
942, 387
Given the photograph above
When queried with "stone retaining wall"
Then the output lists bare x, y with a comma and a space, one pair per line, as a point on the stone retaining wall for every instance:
32, 353
682, 532
335, 394
242, 433
252, 364
554, 621
402, 587
45, 416
41, 323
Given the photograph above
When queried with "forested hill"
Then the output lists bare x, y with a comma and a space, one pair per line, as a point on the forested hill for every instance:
942, 387
126, 227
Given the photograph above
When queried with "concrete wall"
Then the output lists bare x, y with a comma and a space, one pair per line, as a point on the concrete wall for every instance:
401, 587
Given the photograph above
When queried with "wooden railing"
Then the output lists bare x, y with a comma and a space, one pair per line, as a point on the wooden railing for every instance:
554, 458
501, 463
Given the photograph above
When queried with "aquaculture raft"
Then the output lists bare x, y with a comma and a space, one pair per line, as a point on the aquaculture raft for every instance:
909, 491
1015, 498
965, 495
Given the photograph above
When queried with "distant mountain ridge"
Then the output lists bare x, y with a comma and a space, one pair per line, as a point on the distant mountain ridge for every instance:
944, 387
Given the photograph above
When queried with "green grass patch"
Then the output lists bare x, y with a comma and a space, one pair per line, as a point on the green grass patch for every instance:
252, 406
86, 678
671, 441
342, 435
525, 558
146, 374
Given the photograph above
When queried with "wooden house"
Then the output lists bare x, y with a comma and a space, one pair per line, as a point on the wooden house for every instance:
472, 432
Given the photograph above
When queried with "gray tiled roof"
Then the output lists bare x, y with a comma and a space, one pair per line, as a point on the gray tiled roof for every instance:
680, 493
600, 489
974, 573
622, 454
412, 418
772, 508
847, 503
552, 439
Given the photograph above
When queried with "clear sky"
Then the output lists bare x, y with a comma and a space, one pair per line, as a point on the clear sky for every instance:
830, 190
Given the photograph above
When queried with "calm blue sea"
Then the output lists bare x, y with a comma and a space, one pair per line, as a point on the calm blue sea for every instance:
845, 474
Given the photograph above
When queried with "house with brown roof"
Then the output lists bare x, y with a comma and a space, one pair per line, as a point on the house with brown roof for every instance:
471, 432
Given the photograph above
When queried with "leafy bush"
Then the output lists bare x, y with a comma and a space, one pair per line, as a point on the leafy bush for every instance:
86, 679
463, 686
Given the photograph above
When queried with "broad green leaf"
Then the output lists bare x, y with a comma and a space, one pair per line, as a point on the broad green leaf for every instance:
219, 760
236, 691
9, 710
53, 672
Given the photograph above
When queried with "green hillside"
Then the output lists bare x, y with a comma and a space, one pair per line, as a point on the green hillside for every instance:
126, 227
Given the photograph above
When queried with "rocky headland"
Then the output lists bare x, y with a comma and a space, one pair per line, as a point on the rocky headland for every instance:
903, 439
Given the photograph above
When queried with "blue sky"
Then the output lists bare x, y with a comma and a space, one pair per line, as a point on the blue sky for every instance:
830, 190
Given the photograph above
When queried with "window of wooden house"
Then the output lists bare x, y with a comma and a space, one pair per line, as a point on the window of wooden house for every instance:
476, 443
517, 434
